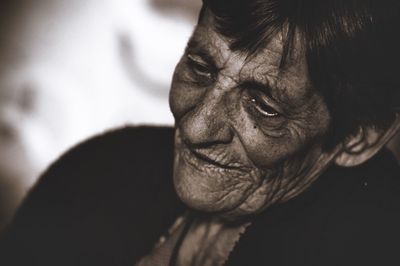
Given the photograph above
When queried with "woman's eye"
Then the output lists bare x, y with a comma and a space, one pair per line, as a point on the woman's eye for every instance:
263, 107
199, 67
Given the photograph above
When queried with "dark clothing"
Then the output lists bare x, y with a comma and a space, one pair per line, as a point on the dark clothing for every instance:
107, 201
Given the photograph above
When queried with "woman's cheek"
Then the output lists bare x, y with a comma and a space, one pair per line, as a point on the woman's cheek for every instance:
266, 152
269, 144
263, 141
184, 96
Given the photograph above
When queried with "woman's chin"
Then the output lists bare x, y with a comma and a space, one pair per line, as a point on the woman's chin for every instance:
210, 204
210, 188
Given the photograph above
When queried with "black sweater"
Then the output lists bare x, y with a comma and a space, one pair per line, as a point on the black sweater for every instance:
108, 200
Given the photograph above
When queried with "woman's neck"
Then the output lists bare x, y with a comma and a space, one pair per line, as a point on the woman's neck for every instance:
209, 242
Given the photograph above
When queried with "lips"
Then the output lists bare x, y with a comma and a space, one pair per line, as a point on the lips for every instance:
209, 158
216, 157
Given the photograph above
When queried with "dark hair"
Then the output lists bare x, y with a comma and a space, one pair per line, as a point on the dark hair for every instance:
352, 50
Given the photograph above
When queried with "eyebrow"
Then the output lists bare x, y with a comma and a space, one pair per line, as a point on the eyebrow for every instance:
260, 86
194, 46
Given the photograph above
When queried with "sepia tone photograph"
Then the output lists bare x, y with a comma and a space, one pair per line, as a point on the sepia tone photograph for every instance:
199, 132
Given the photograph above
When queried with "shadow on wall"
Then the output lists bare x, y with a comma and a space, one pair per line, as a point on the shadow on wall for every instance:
70, 69
185, 7
128, 54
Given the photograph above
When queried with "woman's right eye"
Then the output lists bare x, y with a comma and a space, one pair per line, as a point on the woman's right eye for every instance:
199, 66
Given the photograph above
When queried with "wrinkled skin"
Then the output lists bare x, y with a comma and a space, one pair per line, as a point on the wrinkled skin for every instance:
248, 135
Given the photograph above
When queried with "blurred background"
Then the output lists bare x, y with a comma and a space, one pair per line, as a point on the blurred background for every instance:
70, 69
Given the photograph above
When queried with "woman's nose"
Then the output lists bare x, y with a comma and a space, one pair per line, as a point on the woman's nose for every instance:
207, 124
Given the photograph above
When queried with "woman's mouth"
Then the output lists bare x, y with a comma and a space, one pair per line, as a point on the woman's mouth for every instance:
212, 159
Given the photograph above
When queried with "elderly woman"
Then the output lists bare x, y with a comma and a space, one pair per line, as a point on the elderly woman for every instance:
282, 108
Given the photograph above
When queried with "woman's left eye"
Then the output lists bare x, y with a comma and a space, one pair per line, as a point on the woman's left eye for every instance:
259, 100
264, 108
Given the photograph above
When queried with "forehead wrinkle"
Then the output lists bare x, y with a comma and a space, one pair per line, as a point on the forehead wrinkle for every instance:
271, 53
261, 69
229, 62
213, 43
288, 83
234, 66
263, 66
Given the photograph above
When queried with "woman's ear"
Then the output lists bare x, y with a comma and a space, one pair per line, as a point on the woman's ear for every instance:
365, 144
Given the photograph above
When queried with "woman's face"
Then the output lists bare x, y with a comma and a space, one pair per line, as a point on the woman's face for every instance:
247, 134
